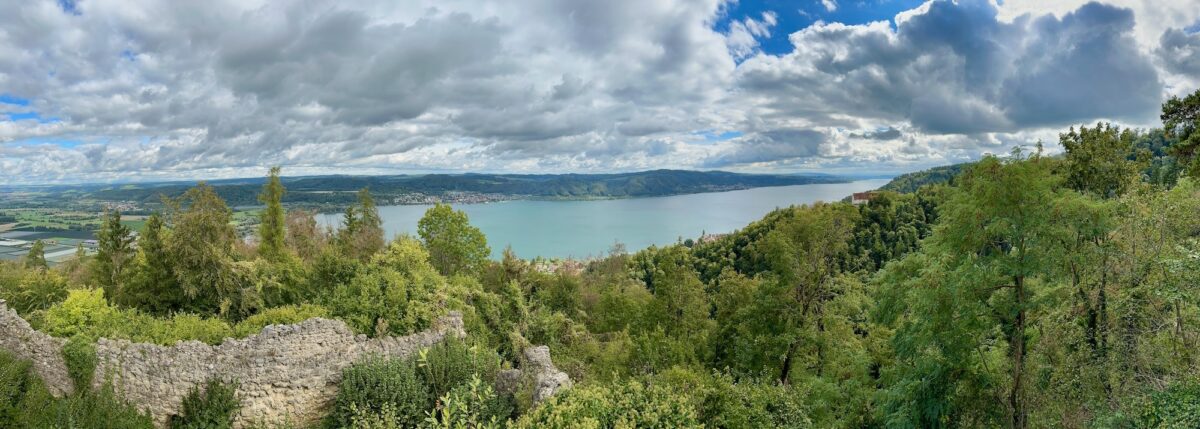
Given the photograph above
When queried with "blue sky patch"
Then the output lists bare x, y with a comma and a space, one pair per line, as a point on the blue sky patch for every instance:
69, 6
712, 136
20, 116
9, 99
1192, 29
795, 16
63, 143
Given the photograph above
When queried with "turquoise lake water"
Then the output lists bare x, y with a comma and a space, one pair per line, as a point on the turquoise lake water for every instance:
589, 228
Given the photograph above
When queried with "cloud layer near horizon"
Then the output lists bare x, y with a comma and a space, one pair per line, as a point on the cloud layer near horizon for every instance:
138, 89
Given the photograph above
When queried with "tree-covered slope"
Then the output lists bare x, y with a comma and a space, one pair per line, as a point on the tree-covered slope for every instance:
910, 182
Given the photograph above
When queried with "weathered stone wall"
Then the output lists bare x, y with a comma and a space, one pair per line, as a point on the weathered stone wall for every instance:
286, 373
45, 351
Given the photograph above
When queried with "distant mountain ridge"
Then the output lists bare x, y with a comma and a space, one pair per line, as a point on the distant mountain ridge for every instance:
339, 189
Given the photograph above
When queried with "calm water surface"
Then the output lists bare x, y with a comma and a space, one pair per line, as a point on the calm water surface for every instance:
590, 228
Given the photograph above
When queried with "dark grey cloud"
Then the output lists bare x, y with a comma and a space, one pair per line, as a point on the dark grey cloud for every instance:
957, 68
1180, 52
770, 146
889, 133
1083, 66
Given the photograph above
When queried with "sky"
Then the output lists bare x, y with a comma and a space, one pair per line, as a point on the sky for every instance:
136, 90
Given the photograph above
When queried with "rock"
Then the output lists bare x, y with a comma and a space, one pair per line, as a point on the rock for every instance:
547, 379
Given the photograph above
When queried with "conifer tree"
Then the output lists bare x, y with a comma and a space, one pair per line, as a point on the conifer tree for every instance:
114, 252
36, 258
271, 226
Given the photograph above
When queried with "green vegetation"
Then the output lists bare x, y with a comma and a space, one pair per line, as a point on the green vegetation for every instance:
25, 403
454, 245
1028, 291
451, 378
911, 182
212, 406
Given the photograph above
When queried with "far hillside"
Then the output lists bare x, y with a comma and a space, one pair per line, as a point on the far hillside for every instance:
413, 189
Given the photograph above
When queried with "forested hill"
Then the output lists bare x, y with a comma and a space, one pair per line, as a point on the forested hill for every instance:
1149, 147
910, 182
340, 189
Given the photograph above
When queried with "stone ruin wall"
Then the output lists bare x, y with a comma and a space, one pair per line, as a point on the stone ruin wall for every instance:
45, 351
285, 374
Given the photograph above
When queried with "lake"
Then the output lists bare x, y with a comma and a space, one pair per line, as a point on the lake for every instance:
589, 228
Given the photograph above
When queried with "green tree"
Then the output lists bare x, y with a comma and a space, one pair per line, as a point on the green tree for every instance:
995, 244
36, 258
804, 253
362, 229
200, 249
454, 245
154, 287
271, 226
114, 252
1181, 119
304, 236
1099, 159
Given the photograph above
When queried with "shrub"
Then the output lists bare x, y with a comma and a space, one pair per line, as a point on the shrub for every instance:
624, 405
15, 380
285, 315
473, 405
453, 363
80, 357
401, 391
721, 402
399, 293
1177, 406
29, 290
87, 315
185, 327
380, 391
212, 407
365, 418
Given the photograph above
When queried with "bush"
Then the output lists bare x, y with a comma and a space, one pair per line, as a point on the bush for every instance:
80, 357
473, 405
453, 363
624, 405
722, 402
214, 407
1177, 406
285, 315
15, 380
364, 418
399, 293
29, 290
380, 390
401, 391
87, 315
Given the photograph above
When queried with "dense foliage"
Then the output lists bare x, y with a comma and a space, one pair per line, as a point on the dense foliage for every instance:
1018, 291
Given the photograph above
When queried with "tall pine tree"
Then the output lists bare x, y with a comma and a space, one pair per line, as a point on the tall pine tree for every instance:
114, 252
270, 228
36, 258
